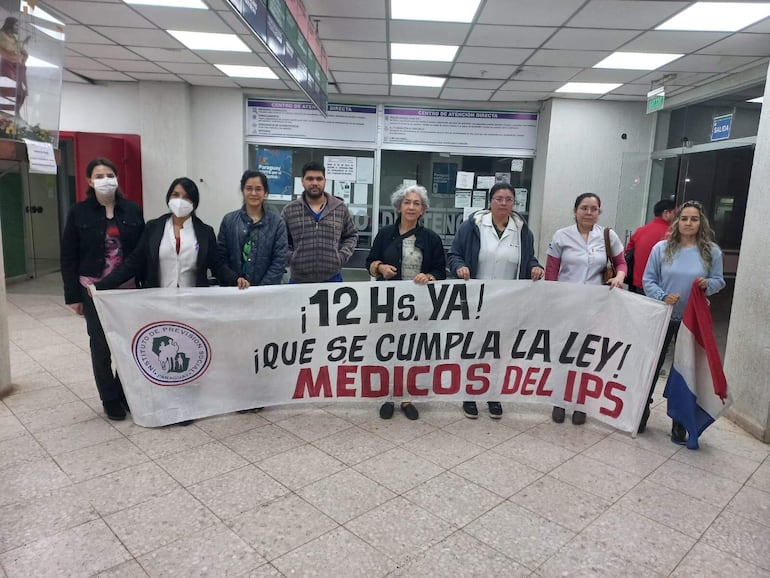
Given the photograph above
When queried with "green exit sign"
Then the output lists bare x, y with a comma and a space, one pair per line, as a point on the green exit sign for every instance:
655, 100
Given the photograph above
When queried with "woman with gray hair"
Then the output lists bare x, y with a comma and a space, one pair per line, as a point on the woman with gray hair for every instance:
406, 250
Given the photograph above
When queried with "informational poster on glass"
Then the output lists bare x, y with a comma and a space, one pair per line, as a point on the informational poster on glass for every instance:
340, 168
478, 129
276, 164
520, 202
300, 120
444, 178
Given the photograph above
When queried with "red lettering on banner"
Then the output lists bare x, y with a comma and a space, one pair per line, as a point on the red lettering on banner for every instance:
398, 381
346, 376
590, 386
473, 376
570, 387
524, 382
411, 380
609, 387
455, 375
509, 387
369, 371
541, 390
305, 383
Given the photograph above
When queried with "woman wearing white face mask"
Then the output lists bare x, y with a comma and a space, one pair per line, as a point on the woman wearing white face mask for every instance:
99, 232
177, 249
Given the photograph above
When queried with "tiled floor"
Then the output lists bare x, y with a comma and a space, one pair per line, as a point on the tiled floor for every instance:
334, 491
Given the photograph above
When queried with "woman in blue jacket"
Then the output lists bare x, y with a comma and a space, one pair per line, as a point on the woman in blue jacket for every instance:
253, 239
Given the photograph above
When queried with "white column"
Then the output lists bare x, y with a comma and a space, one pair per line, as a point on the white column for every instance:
5, 352
747, 358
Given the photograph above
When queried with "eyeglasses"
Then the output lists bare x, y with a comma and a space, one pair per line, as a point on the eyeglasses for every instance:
250, 189
503, 200
589, 209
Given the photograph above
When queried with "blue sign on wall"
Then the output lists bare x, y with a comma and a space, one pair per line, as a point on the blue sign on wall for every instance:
720, 129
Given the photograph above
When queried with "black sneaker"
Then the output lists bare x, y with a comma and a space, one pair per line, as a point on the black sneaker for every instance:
386, 410
114, 409
470, 410
409, 411
578, 417
678, 434
495, 409
557, 414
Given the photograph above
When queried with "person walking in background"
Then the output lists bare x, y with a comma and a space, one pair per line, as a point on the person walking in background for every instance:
643, 240
322, 236
100, 232
688, 255
577, 254
494, 243
253, 238
406, 250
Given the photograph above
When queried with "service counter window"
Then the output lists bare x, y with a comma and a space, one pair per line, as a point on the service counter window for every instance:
456, 184
349, 176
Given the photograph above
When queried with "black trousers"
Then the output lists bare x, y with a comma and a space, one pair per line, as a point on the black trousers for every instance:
673, 329
107, 381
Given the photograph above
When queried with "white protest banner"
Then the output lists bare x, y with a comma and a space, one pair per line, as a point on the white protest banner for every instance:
190, 353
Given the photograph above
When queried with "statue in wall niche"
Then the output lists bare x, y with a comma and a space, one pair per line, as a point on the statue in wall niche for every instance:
13, 67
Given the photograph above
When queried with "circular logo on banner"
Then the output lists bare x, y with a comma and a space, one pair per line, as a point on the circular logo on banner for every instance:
171, 353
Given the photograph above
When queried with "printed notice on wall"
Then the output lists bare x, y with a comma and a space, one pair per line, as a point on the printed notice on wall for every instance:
340, 168
520, 202
517, 165
462, 199
301, 120
365, 170
485, 182
479, 129
479, 200
465, 180
41, 157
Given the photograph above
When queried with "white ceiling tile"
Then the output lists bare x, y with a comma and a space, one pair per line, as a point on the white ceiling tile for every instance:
466, 94
356, 49
332, 89
184, 19
358, 64
167, 54
155, 76
218, 4
411, 31
552, 73
190, 68
672, 42
266, 83
702, 63
241, 58
577, 58
473, 83
74, 33
529, 12
496, 71
607, 75
368, 89
740, 45
590, 39
355, 29
151, 37
223, 81
132, 65
360, 77
531, 86
417, 67
68, 76
762, 27
254, 43
493, 55
103, 75
102, 13
105, 51
415, 91
512, 96
83, 63
368, 9
633, 89
662, 77
626, 14
235, 23
509, 36
623, 97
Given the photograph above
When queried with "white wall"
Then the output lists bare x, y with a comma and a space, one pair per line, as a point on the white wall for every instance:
100, 108
584, 152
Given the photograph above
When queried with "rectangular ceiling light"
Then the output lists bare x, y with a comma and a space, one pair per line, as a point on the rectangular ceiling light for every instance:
757, 100
717, 16
416, 80
434, 10
431, 52
588, 87
197, 4
238, 71
637, 60
210, 41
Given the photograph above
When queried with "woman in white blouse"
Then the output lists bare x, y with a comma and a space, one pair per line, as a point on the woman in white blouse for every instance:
176, 249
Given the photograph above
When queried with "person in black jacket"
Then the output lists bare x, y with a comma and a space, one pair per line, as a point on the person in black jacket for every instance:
407, 250
100, 232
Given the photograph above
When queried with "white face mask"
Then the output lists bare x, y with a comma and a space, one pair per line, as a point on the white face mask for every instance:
180, 207
106, 186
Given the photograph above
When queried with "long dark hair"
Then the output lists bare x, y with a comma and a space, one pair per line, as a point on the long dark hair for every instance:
189, 187
90, 171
